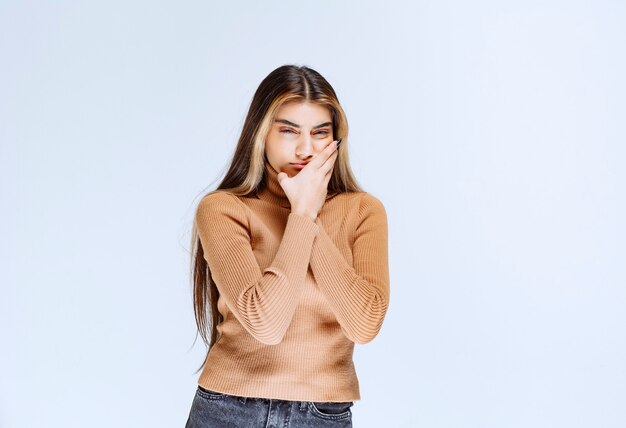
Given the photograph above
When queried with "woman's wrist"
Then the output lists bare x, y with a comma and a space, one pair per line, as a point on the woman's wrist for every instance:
305, 214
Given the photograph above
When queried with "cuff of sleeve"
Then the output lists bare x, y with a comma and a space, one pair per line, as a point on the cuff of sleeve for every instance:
302, 225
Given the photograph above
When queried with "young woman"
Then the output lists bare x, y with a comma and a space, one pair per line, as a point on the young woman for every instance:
290, 267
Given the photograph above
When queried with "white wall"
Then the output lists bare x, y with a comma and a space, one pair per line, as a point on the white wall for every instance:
492, 131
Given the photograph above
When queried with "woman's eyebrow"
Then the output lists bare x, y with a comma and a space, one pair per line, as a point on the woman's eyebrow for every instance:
285, 121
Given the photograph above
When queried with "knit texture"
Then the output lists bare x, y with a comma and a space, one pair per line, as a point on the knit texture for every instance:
295, 294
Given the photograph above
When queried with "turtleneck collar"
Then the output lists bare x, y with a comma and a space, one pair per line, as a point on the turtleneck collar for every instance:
272, 191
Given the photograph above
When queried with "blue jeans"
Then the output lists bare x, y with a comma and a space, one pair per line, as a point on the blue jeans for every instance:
212, 409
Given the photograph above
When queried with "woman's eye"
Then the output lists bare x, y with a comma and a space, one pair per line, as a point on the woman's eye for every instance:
289, 131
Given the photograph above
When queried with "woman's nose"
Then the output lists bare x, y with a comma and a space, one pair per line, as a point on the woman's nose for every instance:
305, 146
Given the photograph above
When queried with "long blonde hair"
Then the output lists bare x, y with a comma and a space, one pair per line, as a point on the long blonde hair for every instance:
246, 175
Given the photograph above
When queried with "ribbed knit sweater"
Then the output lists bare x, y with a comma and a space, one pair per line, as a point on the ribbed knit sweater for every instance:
295, 294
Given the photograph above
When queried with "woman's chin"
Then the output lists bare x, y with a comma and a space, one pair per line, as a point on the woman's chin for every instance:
292, 172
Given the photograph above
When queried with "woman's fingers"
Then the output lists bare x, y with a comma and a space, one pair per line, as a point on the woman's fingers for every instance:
323, 156
330, 160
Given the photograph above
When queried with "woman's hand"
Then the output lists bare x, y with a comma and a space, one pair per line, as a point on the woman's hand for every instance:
307, 190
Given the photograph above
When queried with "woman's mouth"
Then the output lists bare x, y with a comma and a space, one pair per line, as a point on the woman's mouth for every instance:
298, 166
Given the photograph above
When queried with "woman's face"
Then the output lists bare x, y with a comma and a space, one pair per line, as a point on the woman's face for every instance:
299, 132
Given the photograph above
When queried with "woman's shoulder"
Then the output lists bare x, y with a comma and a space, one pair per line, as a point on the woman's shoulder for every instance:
217, 197
219, 202
358, 206
360, 200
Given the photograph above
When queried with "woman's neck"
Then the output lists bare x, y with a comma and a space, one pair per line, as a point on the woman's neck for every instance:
273, 192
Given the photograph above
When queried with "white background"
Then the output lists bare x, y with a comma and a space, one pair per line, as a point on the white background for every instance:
493, 132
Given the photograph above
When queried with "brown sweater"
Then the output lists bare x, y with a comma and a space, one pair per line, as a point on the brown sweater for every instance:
296, 294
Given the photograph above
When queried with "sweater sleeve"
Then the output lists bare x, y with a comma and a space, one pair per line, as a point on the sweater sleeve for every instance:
263, 301
358, 296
